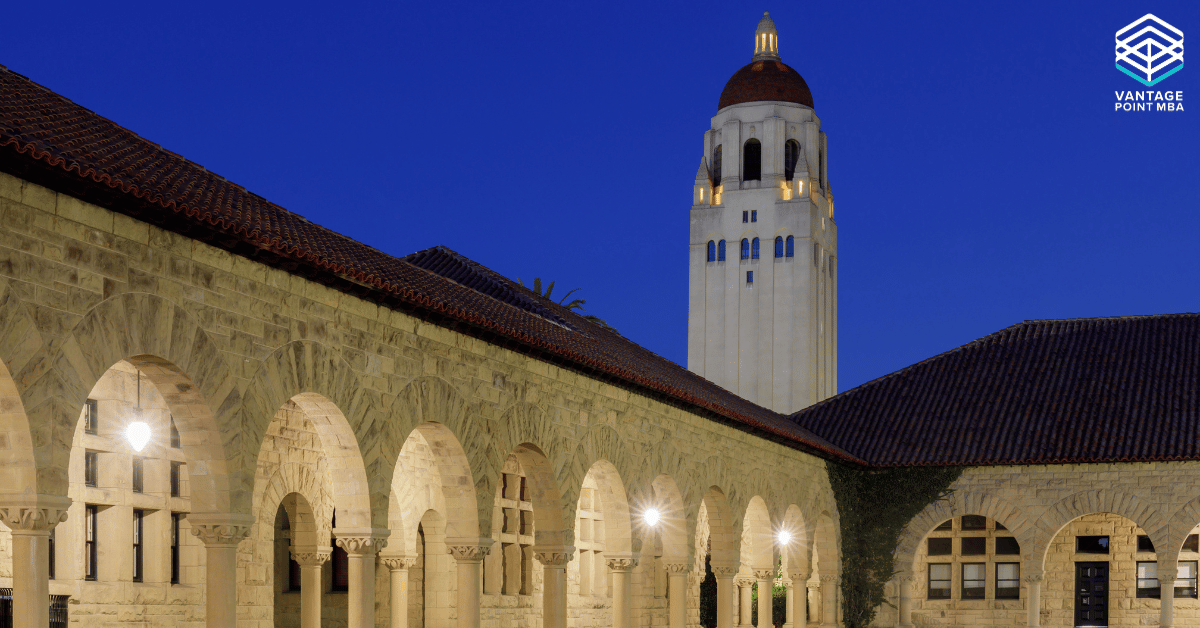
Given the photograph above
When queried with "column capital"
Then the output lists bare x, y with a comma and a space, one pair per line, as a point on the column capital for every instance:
798, 576
745, 581
1033, 578
678, 568
557, 557
312, 556
829, 578
622, 564
724, 571
764, 574
397, 562
469, 550
218, 529
30, 513
361, 541
813, 586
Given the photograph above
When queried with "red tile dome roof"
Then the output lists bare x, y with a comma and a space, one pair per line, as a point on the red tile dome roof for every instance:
766, 79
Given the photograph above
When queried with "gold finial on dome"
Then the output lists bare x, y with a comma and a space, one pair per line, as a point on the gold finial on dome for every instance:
766, 39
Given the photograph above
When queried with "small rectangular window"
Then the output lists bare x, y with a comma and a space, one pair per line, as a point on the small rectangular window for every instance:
1190, 543
138, 482
749, 276
940, 547
1185, 584
745, 216
939, 581
974, 522
176, 472
1144, 544
91, 464
974, 584
89, 548
1091, 544
1007, 545
1147, 579
91, 417
175, 517
946, 525
139, 517
974, 546
174, 433
1008, 581
754, 215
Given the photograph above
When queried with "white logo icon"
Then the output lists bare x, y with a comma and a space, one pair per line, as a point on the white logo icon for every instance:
1149, 50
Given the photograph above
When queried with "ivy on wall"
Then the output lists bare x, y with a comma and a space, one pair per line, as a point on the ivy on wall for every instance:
874, 505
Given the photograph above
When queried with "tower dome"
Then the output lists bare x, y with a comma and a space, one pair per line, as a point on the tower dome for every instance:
766, 77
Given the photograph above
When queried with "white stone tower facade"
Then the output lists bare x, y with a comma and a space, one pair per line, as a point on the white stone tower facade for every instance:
762, 280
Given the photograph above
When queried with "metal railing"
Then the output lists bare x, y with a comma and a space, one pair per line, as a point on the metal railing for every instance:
58, 609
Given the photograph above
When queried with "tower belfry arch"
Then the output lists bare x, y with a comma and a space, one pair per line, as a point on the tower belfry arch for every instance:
762, 321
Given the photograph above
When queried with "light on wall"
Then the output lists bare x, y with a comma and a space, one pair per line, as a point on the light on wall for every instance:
785, 537
652, 516
138, 431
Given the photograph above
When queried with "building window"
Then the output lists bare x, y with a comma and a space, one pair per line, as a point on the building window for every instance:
974, 545
139, 517
974, 583
91, 417
1008, 581
175, 517
50, 542
1191, 542
746, 216
752, 160
721, 251
1147, 579
712, 251
138, 481
791, 155
974, 522
176, 472
939, 581
1007, 545
1144, 544
754, 249
340, 562
754, 215
91, 464
1185, 584
940, 547
1091, 544
778, 246
716, 169
749, 276
745, 248
89, 548
791, 247
945, 525
174, 433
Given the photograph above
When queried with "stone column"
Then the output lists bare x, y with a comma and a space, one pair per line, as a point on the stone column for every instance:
829, 601
677, 591
904, 585
220, 533
361, 545
797, 614
724, 576
310, 560
31, 518
399, 566
1033, 583
622, 595
766, 597
747, 600
814, 613
469, 553
1167, 573
554, 590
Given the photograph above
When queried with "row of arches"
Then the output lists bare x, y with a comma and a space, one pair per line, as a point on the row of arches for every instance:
752, 161
784, 247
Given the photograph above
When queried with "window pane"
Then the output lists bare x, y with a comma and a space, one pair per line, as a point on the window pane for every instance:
974, 546
974, 522
946, 525
1144, 544
1191, 542
1147, 579
939, 581
1091, 544
1008, 581
939, 571
973, 581
1007, 545
940, 547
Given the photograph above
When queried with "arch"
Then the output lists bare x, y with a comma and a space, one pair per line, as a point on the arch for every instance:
721, 251
778, 246
1137, 510
1182, 523
745, 248
712, 251
752, 160
791, 156
958, 504
551, 528
754, 249
720, 526
178, 357
18, 468
300, 480
716, 173
795, 549
673, 522
791, 247
825, 549
758, 547
453, 497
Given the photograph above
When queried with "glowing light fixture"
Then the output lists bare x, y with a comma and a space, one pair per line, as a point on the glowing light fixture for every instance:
785, 537
651, 516
138, 431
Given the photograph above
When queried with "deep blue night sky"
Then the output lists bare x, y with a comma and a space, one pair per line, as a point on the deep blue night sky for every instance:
980, 173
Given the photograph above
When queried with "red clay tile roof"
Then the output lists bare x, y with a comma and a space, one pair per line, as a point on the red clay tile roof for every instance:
765, 80
1053, 391
49, 140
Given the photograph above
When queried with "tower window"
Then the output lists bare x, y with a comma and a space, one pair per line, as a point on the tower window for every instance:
716, 168
791, 155
752, 161
778, 246
712, 251
754, 249
89, 547
176, 472
91, 464
91, 417
175, 517
749, 276
754, 215
138, 481
174, 433
745, 216
139, 516
721, 251
791, 247
745, 248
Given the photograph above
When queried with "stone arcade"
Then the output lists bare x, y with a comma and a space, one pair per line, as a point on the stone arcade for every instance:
343, 438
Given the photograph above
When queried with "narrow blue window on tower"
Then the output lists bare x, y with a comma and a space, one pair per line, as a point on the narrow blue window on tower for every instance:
749, 276
778, 246
721, 251
754, 249
791, 247
745, 216
754, 215
712, 251
745, 248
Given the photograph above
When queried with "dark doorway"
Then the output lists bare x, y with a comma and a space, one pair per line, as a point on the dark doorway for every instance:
1091, 594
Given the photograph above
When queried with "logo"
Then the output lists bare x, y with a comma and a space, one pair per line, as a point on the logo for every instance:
1149, 50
